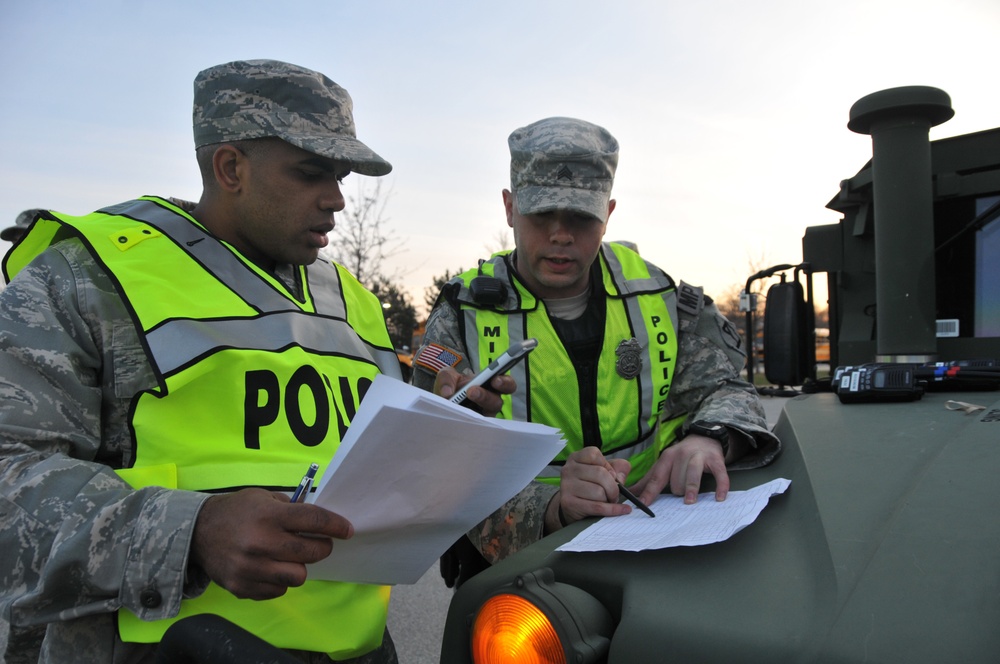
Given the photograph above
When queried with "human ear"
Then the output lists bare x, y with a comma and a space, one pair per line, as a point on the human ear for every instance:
228, 164
508, 204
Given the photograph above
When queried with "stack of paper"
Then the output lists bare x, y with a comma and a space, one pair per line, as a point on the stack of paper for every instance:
416, 472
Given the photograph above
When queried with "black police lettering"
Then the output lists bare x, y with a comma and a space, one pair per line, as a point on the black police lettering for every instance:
347, 401
309, 435
258, 415
665, 361
492, 333
262, 404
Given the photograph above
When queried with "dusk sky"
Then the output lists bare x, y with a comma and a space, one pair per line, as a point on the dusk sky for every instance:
731, 115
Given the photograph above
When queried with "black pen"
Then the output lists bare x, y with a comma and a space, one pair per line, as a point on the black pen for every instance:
629, 496
302, 490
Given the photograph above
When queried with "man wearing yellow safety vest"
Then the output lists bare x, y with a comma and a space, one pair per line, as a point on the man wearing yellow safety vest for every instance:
168, 374
640, 373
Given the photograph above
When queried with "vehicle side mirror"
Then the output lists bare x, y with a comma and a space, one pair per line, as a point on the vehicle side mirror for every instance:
787, 337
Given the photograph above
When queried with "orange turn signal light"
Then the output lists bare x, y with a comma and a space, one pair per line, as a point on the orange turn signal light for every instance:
538, 621
511, 629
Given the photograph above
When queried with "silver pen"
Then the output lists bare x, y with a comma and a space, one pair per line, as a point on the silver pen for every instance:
302, 490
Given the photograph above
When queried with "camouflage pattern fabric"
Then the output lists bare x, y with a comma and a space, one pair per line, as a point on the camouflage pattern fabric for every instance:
706, 386
562, 164
76, 542
250, 99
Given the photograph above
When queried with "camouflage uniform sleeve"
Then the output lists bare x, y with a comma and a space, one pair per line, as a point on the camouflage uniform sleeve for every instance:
75, 540
441, 329
516, 524
707, 384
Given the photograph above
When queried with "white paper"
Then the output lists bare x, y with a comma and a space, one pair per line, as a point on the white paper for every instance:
416, 472
676, 524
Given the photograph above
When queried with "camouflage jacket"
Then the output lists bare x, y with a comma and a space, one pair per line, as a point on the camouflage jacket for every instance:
706, 386
76, 542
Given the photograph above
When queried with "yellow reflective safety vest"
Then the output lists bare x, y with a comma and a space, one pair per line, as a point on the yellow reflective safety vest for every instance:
634, 368
252, 386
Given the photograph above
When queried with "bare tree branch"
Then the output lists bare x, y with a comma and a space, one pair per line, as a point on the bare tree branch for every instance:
362, 239
361, 242
502, 241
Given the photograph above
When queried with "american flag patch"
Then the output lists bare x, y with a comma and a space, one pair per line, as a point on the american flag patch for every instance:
436, 358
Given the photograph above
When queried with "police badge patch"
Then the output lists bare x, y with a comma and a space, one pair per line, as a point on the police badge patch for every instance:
629, 358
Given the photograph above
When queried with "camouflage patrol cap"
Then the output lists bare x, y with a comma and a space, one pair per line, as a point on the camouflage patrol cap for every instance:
259, 98
21, 224
563, 164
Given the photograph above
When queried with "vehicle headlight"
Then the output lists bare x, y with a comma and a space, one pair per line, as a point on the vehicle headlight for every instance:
538, 621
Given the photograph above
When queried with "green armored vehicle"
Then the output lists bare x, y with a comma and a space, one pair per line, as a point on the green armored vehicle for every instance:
885, 548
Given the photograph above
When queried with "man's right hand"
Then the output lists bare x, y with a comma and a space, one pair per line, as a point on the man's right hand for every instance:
588, 487
256, 544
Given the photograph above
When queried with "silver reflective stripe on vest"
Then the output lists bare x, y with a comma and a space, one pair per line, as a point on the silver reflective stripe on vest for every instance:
519, 372
656, 282
207, 250
387, 361
645, 377
328, 301
327, 295
176, 343
179, 343
515, 332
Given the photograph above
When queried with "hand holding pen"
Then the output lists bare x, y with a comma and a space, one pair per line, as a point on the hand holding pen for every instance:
305, 485
631, 497
625, 493
256, 544
589, 487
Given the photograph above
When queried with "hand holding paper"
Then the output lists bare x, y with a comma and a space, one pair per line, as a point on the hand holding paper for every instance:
416, 472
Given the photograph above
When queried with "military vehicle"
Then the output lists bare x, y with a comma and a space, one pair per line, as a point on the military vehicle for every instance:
885, 547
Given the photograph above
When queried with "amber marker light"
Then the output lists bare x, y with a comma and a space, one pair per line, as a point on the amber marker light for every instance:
512, 629
538, 621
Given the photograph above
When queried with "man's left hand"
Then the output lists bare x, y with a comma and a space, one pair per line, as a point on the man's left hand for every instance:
487, 401
681, 466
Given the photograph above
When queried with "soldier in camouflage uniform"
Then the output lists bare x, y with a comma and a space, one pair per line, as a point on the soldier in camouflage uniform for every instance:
560, 283
78, 545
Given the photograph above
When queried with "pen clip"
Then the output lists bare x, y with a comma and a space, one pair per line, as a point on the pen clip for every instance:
306, 489
305, 484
